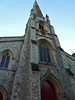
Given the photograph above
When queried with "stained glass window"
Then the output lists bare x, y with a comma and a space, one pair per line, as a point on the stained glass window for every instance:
41, 56
2, 61
5, 60
48, 55
44, 53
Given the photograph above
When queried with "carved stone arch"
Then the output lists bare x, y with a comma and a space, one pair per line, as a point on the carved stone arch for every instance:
55, 83
50, 47
43, 24
8, 50
4, 94
45, 40
40, 19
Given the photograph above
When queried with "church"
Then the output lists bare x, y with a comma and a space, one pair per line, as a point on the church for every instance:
34, 66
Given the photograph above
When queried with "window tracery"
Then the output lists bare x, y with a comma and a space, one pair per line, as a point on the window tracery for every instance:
5, 59
44, 53
3, 95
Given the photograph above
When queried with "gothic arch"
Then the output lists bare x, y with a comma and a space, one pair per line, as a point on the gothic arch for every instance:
3, 92
43, 24
45, 41
7, 50
55, 84
7, 54
40, 19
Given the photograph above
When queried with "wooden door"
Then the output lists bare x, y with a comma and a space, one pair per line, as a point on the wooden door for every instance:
48, 91
1, 96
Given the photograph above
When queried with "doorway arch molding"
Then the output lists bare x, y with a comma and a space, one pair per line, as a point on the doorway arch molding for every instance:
3, 91
55, 84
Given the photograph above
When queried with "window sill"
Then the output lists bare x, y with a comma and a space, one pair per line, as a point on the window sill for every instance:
7, 69
47, 63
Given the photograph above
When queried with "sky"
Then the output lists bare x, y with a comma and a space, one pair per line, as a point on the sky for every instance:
14, 15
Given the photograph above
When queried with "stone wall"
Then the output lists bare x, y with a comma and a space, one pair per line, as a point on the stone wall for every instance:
15, 48
7, 75
35, 85
6, 82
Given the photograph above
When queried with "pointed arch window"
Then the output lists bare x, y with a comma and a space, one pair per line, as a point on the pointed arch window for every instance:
44, 53
5, 60
42, 25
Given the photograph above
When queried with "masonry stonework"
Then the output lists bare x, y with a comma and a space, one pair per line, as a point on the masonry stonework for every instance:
28, 68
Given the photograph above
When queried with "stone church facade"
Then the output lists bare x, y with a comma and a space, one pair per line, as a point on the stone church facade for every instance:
34, 66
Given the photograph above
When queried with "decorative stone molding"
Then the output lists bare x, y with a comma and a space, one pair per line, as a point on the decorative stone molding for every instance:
3, 93
55, 83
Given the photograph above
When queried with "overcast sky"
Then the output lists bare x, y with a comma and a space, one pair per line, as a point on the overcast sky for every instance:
14, 15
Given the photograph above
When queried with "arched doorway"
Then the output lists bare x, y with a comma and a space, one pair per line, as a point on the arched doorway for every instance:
1, 96
48, 91
52, 84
